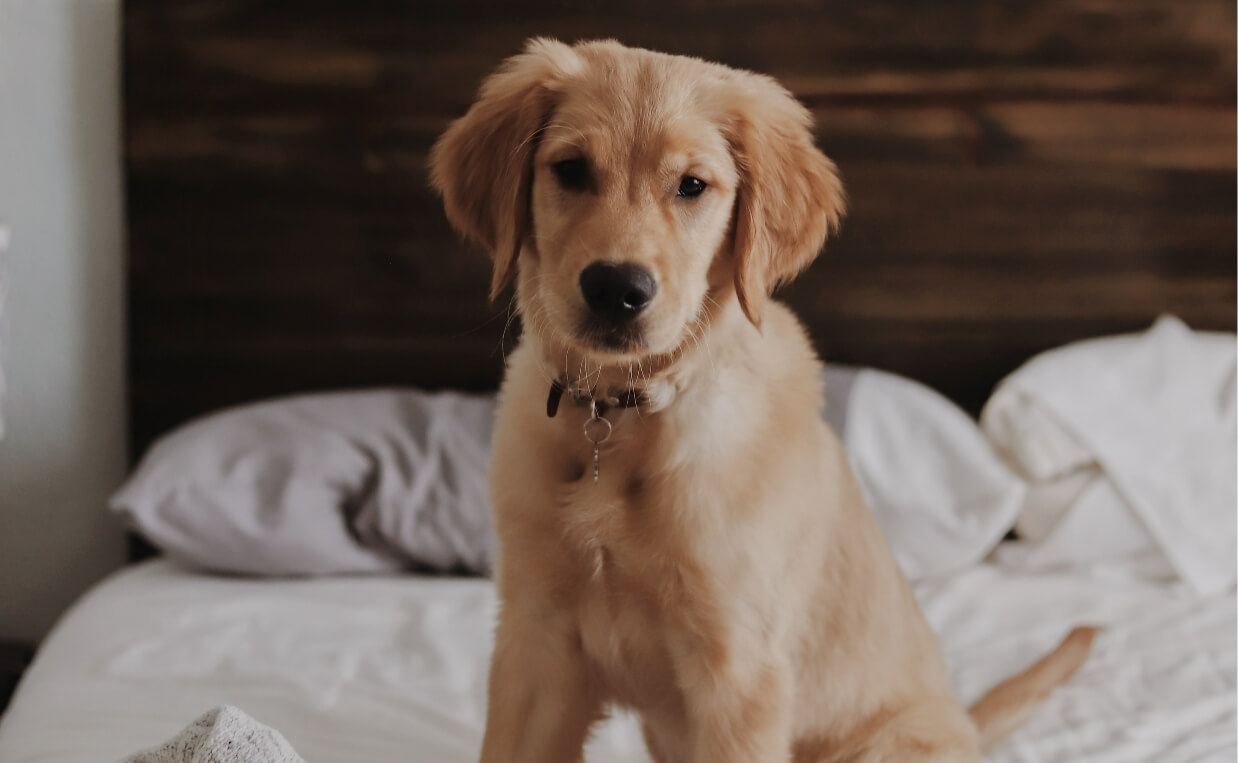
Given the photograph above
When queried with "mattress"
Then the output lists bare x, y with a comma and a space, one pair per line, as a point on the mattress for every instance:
393, 669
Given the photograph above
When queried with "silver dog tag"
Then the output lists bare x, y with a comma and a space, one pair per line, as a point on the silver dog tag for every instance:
597, 431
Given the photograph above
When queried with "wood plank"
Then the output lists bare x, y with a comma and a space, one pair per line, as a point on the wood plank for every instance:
388, 58
1164, 136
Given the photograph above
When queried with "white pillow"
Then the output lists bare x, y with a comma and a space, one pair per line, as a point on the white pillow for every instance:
346, 482
1129, 444
375, 481
940, 493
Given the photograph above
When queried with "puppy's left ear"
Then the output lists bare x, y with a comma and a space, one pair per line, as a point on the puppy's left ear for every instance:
482, 165
790, 196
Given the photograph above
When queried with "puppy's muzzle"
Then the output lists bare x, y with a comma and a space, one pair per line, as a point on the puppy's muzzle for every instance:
617, 292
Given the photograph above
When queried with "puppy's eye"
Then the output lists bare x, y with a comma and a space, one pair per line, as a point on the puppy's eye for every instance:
572, 174
690, 187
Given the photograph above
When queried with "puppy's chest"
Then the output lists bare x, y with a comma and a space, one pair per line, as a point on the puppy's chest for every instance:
611, 501
622, 537
624, 635
615, 528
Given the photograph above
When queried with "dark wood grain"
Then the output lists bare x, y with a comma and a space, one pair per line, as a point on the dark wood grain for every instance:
1021, 174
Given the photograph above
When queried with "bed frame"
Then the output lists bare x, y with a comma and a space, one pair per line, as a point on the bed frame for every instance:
1021, 175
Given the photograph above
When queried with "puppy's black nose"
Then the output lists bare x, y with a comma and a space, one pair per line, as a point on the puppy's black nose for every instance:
617, 291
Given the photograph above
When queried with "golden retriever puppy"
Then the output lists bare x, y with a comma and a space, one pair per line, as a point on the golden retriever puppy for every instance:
679, 530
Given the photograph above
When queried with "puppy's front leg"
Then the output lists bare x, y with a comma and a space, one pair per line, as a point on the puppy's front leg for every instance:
740, 713
541, 702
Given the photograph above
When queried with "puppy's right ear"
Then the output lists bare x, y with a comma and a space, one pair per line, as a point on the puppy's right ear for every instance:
483, 164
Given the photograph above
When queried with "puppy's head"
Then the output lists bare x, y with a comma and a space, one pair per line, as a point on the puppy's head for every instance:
631, 192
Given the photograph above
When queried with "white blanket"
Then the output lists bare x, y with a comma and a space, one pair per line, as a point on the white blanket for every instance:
1129, 448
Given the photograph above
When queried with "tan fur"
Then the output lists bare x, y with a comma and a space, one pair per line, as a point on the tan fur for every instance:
724, 578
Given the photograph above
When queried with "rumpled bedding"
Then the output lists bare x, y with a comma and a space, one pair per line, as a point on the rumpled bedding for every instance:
1128, 446
393, 669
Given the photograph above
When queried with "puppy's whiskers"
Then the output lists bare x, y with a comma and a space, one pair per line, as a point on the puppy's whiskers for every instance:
511, 317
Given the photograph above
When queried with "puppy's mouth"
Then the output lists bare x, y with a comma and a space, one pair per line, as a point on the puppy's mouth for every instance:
611, 338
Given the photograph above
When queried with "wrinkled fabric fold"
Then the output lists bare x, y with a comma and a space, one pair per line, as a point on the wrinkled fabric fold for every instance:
1128, 444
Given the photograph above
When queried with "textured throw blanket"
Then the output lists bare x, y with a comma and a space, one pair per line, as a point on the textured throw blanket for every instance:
222, 735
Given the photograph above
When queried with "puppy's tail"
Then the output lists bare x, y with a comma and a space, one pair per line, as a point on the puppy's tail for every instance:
1007, 705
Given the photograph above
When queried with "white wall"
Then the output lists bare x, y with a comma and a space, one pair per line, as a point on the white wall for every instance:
63, 450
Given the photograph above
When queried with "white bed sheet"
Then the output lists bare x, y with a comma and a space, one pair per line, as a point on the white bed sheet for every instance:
393, 669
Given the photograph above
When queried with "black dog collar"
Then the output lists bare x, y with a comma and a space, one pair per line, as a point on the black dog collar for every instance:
628, 398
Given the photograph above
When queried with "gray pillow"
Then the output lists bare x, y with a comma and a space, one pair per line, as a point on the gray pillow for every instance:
351, 482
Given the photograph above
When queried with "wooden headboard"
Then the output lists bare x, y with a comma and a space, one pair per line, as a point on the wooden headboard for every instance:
1021, 174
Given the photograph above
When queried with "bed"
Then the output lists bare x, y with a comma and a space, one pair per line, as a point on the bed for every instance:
1020, 178
393, 669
